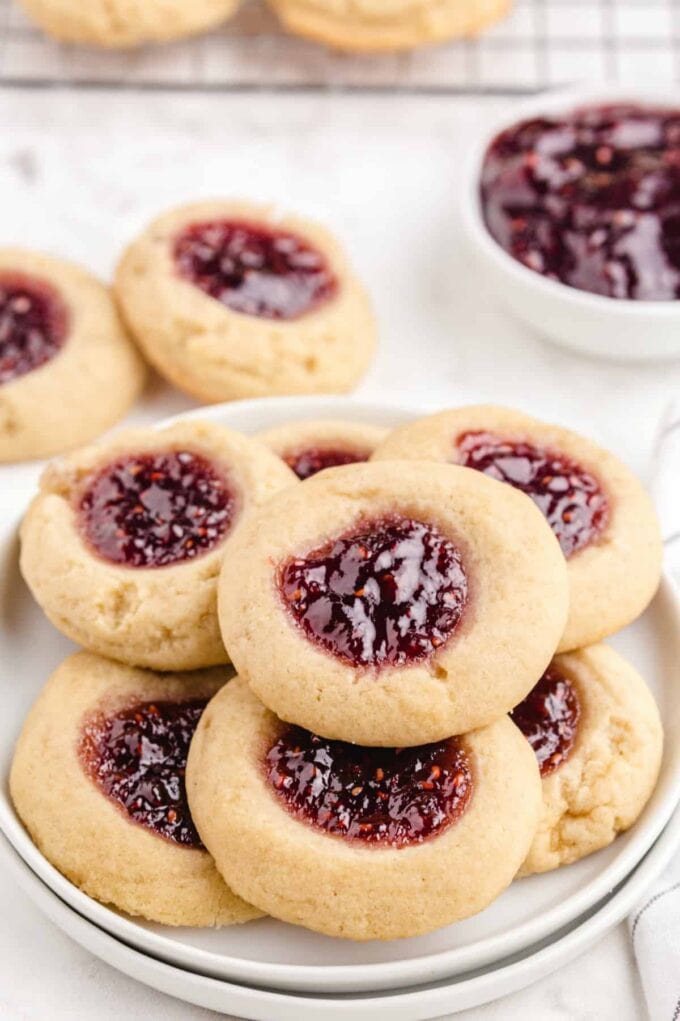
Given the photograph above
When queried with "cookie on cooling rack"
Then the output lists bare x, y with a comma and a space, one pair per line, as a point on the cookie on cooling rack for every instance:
597, 508
596, 732
67, 369
124, 23
310, 446
399, 841
124, 542
231, 299
98, 781
386, 607
373, 25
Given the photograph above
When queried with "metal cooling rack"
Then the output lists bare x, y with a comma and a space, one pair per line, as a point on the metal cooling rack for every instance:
541, 43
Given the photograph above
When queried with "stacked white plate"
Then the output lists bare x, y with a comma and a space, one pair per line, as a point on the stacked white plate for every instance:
269, 969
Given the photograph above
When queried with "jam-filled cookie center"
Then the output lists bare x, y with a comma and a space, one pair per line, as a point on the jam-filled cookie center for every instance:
549, 718
310, 460
390, 592
395, 796
255, 269
570, 497
34, 324
156, 509
591, 199
138, 758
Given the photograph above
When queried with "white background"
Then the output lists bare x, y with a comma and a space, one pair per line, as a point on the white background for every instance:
80, 174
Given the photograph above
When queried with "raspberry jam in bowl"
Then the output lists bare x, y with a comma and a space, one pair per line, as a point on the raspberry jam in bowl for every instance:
573, 208
591, 198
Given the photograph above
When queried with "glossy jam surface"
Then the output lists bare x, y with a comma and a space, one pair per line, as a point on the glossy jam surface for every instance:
34, 324
138, 758
152, 510
254, 269
548, 717
390, 592
591, 199
395, 796
569, 496
308, 462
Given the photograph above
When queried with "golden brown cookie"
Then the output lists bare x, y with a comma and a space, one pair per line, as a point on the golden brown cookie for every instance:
311, 445
601, 515
361, 843
68, 371
98, 781
596, 732
387, 607
230, 299
123, 23
373, 25
123, 545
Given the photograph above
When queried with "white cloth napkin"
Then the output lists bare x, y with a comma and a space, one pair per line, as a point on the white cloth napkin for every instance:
655, 924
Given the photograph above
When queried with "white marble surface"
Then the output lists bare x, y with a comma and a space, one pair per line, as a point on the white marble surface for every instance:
80, 173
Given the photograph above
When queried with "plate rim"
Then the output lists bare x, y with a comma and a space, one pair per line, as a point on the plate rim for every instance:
510, 975
339, 977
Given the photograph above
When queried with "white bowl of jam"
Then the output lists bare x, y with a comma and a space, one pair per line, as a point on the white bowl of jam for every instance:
572, 205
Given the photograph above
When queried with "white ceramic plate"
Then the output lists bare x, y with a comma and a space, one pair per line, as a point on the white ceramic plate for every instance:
412, 1004
271, 953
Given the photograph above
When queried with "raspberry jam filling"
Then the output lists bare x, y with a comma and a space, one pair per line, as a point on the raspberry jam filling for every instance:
570, 497
390, 592
306, 463
395, 796
254, 269
591, 199
548, 717
138, 758
34, 324
151, 510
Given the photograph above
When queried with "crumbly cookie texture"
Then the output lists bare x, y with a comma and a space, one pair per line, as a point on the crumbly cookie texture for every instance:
372, 25
295, 437
507, 635
125, 23
89, 837
87, 386
359, 892
216, 354
165, 617
603, 598
606, 782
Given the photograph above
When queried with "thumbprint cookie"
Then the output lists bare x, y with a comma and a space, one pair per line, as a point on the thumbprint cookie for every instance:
374, 25
231, 300
398, 841
124, 542
68, 371
596, 732
124, 23
310, 446
392, 608
601, 516
98, 779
